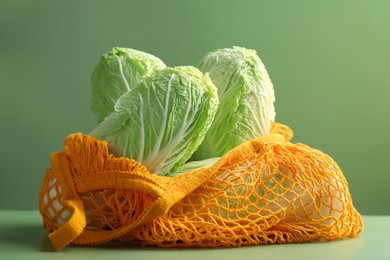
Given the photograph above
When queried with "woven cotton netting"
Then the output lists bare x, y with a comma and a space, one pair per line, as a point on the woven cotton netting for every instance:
265, 191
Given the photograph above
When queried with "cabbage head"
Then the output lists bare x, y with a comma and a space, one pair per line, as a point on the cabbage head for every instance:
117, 72
246, 97
162, 120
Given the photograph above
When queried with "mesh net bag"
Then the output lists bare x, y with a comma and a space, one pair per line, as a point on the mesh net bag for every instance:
265, 191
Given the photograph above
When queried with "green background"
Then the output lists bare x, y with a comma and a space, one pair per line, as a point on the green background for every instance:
328, 60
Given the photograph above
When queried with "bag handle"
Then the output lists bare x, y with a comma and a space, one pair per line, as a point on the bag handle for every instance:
168, 190
176, 189
71, 229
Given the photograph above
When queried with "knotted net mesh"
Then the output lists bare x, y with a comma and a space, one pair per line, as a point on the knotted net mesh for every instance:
265, 191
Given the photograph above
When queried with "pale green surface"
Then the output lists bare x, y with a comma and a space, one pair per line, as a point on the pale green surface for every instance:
22, 236
328, 61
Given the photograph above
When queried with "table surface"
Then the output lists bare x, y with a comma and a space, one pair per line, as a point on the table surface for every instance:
22, 236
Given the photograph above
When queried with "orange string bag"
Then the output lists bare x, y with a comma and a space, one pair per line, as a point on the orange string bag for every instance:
265, 191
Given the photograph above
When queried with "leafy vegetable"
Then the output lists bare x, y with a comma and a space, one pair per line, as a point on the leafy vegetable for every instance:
162, 120
246, 97
117, 72
194, 165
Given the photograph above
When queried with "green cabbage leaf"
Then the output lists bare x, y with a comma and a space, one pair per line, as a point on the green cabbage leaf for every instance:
117, 72
194, 166
246, 97
162, 120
